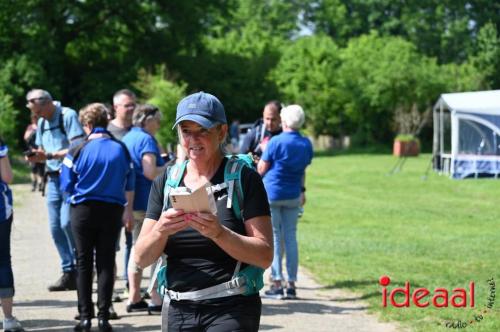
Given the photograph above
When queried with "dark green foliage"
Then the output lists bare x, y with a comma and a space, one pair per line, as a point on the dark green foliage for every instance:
248, 52
307, 74
165, 94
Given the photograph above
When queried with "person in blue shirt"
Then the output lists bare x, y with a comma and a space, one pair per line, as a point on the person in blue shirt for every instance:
148, 163
58, 127
282, 166
10, 323
99, 178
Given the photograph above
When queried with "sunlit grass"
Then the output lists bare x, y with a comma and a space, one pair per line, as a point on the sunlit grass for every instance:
361, 223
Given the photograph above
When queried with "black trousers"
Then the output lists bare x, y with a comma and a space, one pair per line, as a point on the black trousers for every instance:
237, 314
95, 226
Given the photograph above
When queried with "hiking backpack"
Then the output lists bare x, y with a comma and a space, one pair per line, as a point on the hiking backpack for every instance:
232, 181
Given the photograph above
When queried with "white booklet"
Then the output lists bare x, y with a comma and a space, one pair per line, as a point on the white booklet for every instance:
200, 200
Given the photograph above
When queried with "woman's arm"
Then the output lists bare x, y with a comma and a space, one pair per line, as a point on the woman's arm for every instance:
263, 167
149, 166
154, 234
6, 170
256, 248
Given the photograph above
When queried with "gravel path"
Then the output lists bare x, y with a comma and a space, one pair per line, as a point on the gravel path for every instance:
36, 265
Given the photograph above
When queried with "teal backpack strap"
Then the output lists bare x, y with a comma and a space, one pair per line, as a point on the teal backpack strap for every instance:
174, 178
232, 176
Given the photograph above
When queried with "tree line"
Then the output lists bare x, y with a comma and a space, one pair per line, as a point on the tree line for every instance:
365, 68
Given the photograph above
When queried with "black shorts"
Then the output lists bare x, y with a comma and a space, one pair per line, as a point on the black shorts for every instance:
240, 313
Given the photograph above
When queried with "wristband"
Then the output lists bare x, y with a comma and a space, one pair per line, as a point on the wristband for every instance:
3, 151
303, 190
49, 156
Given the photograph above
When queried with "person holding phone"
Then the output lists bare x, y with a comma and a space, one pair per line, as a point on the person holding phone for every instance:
203, 249
58, 128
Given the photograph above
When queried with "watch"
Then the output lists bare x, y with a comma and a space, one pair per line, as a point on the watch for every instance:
49, 156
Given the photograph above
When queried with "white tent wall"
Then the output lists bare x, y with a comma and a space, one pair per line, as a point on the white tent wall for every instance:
475, 134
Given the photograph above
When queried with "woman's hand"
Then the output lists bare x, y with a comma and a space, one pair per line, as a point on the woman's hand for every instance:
171, 222
205, 223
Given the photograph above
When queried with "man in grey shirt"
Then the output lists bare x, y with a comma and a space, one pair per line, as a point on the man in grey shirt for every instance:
124, 102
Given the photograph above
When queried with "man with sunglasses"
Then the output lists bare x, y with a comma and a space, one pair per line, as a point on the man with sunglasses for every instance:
58, 127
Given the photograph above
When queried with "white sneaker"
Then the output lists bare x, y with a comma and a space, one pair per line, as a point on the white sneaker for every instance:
12, 325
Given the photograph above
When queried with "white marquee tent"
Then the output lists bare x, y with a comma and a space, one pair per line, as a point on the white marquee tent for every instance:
467, 134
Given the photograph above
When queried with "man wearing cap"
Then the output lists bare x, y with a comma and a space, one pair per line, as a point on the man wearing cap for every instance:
255, 141
204, 249
58, 127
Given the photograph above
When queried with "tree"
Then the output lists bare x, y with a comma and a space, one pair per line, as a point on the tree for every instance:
306, 75
83, 51
165, 94
444, 29
239, 51
487, 58
380, 75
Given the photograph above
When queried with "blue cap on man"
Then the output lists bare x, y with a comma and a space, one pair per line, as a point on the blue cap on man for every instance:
203, 108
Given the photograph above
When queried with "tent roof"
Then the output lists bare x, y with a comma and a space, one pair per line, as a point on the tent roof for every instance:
473, 102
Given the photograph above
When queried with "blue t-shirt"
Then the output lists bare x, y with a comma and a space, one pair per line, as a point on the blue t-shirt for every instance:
140, 142
5, 201
289, 154
102, 171
53, 138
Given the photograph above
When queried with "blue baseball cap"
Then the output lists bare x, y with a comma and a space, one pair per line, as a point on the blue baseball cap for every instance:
203, 108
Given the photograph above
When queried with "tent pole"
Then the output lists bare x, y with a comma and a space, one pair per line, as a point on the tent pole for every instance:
441, 138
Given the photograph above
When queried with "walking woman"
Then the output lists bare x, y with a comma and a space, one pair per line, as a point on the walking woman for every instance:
97, 174
10, 323
205, 249
283, 165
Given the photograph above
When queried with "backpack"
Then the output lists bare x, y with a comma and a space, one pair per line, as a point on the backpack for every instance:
232, 180
59, 126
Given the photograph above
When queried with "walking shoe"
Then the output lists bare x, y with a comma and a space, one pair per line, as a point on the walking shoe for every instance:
66, 282
83, 326
104, 325
291, 294
33, 186
112, 313
12, 325
153, 308
138, 306
274, 293
116, 297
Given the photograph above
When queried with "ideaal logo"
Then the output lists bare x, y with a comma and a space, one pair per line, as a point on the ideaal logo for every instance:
440, 298
423, 297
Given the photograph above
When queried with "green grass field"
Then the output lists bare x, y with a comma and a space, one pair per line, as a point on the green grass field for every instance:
360, 223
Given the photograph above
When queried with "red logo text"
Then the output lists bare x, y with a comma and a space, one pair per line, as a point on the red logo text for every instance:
423, 297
